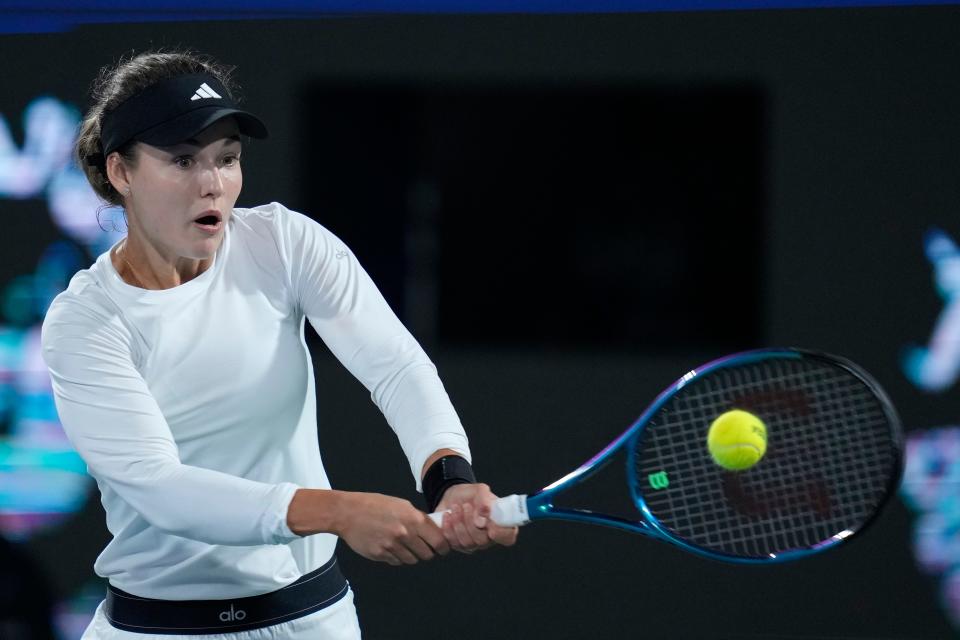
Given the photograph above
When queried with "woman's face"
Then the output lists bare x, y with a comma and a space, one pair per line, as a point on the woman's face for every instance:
171, 187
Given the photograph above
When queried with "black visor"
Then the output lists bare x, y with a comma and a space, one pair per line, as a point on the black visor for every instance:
172, 111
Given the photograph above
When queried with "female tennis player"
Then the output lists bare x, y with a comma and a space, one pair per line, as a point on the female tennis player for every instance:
181, 375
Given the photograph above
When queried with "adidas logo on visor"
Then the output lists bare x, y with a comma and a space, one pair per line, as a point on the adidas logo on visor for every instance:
205, 92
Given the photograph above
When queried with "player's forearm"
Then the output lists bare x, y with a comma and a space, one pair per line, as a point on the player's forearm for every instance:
194, 502
317, 511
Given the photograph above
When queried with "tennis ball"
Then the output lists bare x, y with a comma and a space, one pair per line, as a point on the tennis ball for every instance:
737, 440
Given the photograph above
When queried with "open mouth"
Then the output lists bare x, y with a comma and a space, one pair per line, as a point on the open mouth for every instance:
209, 221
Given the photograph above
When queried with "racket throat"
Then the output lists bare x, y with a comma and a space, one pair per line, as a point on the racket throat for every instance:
592, 517
519, 509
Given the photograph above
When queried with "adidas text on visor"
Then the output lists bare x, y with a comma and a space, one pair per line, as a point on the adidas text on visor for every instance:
172, 111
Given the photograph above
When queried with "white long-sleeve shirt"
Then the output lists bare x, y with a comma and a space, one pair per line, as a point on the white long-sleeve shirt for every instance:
194, 407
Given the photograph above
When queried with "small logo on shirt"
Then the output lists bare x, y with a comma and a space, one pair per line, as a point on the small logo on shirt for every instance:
231, 615
341, 254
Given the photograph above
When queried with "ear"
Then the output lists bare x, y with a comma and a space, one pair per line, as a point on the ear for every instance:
117, 172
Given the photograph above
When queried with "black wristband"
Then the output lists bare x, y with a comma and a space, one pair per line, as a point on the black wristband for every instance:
443, 474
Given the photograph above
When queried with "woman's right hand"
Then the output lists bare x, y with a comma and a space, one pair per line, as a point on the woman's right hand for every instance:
378, 527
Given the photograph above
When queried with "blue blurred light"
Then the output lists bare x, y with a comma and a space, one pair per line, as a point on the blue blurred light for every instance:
931, 480
931, 486
935, 367
43, 481
24, 16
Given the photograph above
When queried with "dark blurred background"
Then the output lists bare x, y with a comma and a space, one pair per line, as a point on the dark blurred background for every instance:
569, 211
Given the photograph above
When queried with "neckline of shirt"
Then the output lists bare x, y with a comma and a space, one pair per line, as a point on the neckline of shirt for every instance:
138, 292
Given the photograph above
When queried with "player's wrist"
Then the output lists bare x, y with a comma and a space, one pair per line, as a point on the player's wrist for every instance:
445, 472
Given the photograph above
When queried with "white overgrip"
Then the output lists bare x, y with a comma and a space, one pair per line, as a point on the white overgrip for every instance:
509, 511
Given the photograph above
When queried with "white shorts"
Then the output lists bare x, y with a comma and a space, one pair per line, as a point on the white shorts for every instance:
336, 622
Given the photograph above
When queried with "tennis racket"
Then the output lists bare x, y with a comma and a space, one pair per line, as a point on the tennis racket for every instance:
834, 457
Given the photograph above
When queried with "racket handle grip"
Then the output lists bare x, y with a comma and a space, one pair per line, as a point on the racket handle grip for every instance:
509, 511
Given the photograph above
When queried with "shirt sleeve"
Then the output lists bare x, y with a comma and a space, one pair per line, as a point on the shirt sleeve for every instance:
116, 426
355, 322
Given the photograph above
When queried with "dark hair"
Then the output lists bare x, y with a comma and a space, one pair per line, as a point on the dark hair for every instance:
116, 83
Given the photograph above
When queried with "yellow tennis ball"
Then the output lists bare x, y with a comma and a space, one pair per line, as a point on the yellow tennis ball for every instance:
737, 440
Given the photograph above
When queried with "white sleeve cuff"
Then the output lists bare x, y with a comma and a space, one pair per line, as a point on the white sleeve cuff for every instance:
274, 525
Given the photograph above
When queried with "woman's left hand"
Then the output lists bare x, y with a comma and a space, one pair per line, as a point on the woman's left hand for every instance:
467, 525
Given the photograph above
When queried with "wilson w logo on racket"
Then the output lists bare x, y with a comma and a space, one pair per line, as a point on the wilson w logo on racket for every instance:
761, 456
659, 480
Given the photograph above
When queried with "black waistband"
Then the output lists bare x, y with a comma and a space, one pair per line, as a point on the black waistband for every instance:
312, 592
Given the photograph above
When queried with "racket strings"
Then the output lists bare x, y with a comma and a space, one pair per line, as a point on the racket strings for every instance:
827, 466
